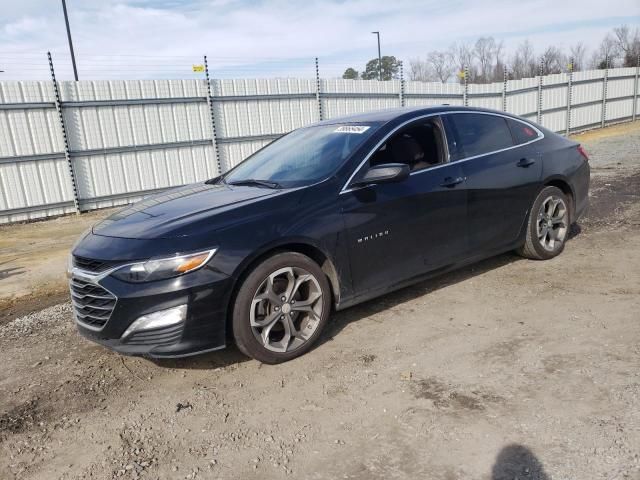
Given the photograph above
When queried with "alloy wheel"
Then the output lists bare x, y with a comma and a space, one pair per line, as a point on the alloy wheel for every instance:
553, 220
286, 309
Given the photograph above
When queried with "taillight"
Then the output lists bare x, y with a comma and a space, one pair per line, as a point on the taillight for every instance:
582, 152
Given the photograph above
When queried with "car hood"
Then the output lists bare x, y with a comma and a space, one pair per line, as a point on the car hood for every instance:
169, 214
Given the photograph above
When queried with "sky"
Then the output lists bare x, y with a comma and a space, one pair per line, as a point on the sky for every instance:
247, 38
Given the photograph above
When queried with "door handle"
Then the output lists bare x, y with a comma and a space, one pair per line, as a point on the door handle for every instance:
451, 182
525, 162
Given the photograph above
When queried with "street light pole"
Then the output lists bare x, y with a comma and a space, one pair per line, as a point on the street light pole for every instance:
73, 57
379, 57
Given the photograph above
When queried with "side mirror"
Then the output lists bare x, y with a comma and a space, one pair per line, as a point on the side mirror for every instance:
385, 173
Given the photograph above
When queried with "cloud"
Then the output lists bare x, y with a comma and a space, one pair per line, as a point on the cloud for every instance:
256, 36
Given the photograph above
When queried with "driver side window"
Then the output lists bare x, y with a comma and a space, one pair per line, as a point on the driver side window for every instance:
419, 145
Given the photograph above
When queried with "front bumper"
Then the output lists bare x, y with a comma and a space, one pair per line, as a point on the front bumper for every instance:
205, 292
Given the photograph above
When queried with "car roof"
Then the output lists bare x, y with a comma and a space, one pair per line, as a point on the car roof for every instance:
406, 113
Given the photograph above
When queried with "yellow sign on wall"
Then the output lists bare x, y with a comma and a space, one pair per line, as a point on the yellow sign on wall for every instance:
198, 68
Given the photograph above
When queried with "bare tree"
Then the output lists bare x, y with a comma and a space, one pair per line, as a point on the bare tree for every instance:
498, 71
607, 53
485, 59
552, 60
523, 61
628, 44
622, 37
578, 53
440, 64
484, 50
419, 70
462, 56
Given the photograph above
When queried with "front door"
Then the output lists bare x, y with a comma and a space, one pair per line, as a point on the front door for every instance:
397, 231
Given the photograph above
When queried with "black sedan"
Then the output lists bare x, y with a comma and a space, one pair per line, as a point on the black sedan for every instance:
326, 217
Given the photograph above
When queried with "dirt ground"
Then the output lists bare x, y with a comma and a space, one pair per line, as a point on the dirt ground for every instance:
506, 369
33, 261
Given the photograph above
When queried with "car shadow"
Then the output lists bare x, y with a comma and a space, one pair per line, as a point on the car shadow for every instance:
574, 230
343, 318
227, 357
516, 461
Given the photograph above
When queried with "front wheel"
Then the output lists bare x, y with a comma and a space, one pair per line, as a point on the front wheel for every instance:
548, 225
281, 308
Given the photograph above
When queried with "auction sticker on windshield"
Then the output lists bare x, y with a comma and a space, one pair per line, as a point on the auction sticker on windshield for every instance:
351, 129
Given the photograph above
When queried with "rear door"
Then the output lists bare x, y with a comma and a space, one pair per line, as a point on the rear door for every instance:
502, 175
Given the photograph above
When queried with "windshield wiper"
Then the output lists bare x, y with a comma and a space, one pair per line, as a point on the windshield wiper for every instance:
253, 181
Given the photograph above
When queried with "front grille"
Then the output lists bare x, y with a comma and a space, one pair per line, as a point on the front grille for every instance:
92, 303
90, 265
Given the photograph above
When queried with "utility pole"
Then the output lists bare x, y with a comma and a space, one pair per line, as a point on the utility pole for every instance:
379, 56
73, 57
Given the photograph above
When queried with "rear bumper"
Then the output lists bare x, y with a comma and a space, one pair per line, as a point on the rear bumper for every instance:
581, 181
206, 294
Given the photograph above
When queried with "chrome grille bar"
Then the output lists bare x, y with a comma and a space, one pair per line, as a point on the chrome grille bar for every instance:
92, 303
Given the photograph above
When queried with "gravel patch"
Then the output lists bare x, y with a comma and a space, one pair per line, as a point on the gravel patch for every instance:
56, 320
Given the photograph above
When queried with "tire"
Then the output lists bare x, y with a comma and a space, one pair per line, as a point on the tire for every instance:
281, 308
548, 225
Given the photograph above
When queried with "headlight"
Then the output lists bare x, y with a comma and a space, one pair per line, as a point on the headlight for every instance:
162, 268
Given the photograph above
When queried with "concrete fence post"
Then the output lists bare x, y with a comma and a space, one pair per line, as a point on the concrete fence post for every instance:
569, 97
605, 86
635, 91
318, 92
465, 92
65, 139
214, 137
505, 77
540, 82
402, 102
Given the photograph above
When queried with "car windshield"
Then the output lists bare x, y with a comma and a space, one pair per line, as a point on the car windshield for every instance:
304, 156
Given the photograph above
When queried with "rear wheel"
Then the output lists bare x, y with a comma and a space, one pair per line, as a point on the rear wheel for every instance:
548, 225
281, 308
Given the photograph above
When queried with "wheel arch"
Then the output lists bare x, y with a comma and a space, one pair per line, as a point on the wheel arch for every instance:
564, 185
304, 246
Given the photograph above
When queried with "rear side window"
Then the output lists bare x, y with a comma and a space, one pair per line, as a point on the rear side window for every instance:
522, 132
478, 134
